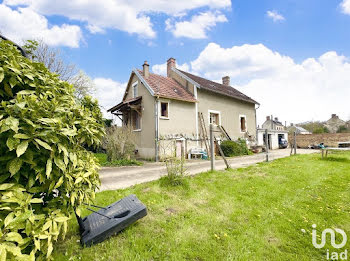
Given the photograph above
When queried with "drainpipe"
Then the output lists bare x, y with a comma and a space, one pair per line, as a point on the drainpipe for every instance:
256, 124
156, 128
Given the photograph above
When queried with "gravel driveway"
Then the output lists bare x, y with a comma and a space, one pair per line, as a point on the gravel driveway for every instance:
122, 177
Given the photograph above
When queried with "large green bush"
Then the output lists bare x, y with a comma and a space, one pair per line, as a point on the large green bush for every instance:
45, 173
234, 148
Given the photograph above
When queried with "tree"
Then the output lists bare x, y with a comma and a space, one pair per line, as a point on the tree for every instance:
45, 172
53, 59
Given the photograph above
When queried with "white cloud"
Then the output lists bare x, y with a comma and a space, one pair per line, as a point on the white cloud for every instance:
295, 92
162, 68
345, 6
128, 16
24, 23
108, 93
275, 16
197, 27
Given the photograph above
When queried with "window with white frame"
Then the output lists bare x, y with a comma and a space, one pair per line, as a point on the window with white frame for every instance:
214, 118
243, 123
164, 110
134, 90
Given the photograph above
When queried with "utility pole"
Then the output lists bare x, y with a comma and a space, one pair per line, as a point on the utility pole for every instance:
267, 145
212, 154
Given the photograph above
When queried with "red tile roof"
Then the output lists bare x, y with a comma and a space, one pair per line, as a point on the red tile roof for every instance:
167, 87
219, 88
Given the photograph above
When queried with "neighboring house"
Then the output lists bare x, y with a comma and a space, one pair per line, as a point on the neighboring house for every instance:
298, 129
334, 123
163, 108
273, 124
276, 131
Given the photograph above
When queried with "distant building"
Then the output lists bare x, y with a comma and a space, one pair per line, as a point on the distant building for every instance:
276, 132
334, 123
298, 129
273, 124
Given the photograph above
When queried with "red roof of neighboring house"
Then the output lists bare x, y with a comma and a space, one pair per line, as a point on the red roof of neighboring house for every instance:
167, 87
219, 88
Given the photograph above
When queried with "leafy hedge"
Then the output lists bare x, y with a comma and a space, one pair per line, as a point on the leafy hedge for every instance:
234, 148
45, 172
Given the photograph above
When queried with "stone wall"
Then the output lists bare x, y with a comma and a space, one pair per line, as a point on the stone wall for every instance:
329, 139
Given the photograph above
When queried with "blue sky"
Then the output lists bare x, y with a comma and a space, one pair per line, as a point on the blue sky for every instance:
277, 52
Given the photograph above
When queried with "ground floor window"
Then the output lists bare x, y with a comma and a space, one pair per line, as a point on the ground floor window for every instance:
243, 124
136, 120
214, 118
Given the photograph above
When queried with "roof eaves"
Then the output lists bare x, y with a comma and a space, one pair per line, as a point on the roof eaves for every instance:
144, 82
186, 77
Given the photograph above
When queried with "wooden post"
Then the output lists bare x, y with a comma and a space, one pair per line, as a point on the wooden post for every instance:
222, 155
267, 145
295, 142
212, 150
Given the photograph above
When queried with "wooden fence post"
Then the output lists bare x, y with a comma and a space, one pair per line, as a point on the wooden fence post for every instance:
267, 145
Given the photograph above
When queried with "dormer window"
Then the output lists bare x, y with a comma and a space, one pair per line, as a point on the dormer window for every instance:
134, 90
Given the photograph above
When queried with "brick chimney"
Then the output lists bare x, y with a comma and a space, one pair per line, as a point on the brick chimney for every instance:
334, 116
145, 70
268, 118
171, 63
276, 119
226, 80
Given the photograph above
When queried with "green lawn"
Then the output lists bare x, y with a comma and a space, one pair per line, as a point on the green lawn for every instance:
102, 158
254, 213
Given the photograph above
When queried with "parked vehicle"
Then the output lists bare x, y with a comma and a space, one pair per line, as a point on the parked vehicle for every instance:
283, 143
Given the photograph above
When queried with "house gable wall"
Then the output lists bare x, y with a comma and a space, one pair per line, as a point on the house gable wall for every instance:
145, 139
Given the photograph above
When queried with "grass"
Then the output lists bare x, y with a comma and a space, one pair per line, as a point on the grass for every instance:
254, 213
102, 158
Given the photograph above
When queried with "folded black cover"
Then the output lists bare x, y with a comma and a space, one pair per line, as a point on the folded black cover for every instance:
110, 220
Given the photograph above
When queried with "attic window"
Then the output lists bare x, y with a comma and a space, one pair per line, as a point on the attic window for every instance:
134, 90
164, 110
242, 122
175, 90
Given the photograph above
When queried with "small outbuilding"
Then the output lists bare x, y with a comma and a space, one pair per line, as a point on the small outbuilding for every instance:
276, 132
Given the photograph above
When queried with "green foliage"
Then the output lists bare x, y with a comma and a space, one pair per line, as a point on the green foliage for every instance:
315, 127
343, 129
175, 172
102, 159
119, 143
45, 172
234, 148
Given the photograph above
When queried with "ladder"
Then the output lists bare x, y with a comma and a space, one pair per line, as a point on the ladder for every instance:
224, 132
204, 131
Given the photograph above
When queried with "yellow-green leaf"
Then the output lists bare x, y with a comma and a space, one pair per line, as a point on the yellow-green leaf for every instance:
47, 225
61, 219
6, 186
21, 136
36, 200
2, 75
22, 147
14, 237
43, 144
48, 167
59, 183
78, 180
15, 166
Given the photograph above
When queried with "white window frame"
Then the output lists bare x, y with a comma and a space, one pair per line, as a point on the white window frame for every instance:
160, 110
216, 112
245, 120
133, 89
132, 122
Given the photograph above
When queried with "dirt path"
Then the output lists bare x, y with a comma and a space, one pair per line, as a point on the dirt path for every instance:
122, 177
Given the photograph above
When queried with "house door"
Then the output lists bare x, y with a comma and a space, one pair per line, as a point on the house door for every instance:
180, 149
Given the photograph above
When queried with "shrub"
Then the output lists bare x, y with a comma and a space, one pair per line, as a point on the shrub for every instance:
45, 173
175, 172
234, 148
119, 143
